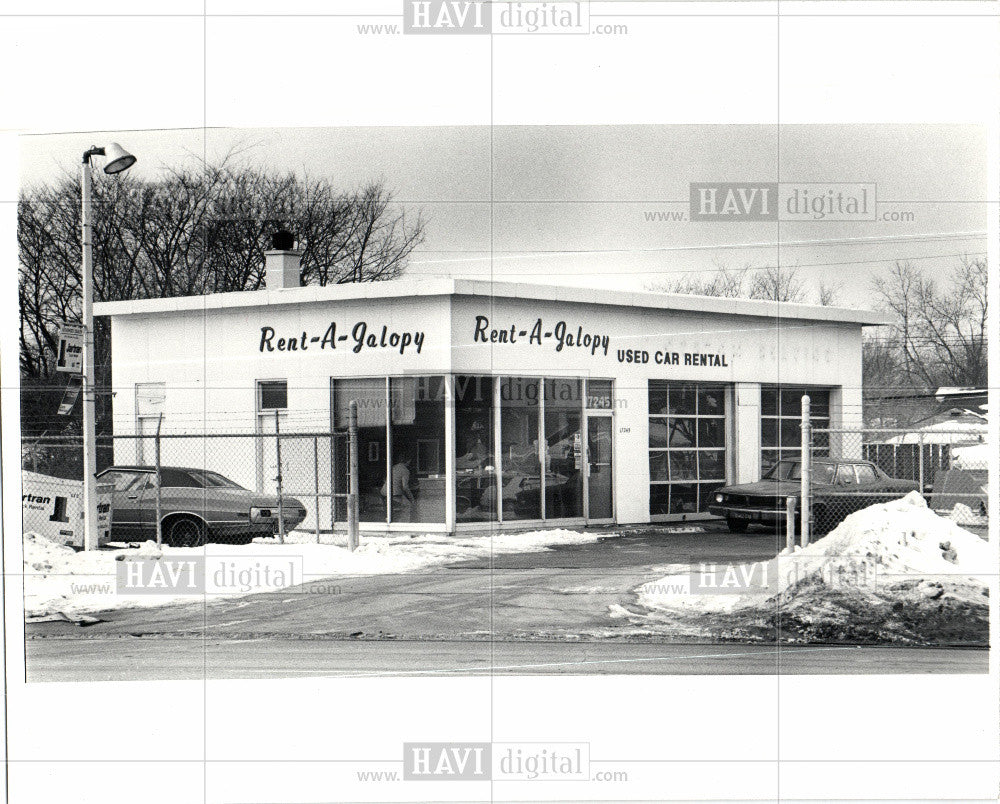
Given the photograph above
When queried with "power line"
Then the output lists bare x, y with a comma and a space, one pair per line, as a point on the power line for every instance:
575, 271
928, 237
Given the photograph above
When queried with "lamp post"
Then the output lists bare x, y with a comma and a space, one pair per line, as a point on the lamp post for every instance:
118, 160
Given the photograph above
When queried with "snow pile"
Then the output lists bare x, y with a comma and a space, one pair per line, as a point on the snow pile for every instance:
60, 579
962, 514
868, 552
975, 457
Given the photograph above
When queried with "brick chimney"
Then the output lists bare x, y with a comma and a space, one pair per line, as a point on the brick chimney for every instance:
283, 263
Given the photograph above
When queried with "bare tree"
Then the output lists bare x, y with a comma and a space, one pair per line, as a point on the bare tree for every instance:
777, 284
197, 229
940, 331
828, 294
748, 282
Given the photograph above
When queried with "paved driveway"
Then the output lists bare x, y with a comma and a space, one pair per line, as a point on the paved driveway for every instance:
560, 592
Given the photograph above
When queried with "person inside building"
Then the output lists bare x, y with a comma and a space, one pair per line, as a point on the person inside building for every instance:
402, 495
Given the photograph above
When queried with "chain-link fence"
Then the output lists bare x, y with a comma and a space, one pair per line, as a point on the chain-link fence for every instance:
853, 468
189, 488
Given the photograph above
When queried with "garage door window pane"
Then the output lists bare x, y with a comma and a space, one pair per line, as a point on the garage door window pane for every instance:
657, 433
683, 498
658, 466
682, 400
712, 433
769, 401
711, 401
682, 432
659, 499
657, 397
791, 401
711, 465
683, 465
791, 433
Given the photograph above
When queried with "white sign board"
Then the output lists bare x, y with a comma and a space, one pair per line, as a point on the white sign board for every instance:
69, 358
52, 507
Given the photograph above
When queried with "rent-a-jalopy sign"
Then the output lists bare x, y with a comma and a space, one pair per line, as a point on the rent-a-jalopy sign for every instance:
564, 335
560, 336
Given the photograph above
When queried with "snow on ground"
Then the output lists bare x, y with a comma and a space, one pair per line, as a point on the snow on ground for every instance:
59, 579
868, 553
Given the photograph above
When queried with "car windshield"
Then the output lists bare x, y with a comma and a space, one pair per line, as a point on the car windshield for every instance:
784, 470
792, 470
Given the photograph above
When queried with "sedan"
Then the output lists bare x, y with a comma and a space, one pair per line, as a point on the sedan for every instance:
839, 488
196, 506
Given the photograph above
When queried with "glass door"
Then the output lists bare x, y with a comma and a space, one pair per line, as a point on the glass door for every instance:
599, 468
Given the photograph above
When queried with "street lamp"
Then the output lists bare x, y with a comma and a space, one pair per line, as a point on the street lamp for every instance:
118, 159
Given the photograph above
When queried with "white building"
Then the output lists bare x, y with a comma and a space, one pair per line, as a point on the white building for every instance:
513, 403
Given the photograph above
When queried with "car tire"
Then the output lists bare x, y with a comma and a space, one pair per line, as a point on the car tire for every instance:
185, 531
737, 525
821, 523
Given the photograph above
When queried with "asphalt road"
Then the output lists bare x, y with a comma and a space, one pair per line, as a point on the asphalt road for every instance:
156, 659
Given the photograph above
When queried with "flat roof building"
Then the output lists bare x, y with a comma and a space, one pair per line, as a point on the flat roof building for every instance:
494, 403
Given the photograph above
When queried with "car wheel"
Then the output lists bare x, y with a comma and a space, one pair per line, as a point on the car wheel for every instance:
185, 531
737, 525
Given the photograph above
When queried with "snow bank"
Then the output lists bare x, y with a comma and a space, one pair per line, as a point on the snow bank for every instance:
868, 551
975, 457
59, 579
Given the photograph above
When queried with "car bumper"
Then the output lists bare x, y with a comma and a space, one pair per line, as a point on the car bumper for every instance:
768, 515
268, 517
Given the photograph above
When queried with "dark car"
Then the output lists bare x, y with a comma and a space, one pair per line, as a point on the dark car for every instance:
839, 487
196, 505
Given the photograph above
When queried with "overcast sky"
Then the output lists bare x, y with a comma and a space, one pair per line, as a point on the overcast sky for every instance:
570, 203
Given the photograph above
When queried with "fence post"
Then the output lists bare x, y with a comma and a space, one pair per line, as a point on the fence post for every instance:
316, 481
281, 502
806, 486
920, 464
159, 498
352, 478
334, 456
790, 504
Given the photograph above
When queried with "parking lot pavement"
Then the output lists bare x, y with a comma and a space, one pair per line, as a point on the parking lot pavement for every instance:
560, 592
647, 546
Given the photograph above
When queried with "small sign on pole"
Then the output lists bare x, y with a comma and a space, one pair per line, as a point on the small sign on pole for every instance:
70, 395
69, 358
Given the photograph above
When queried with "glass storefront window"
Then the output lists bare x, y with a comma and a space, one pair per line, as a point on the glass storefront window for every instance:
520, 451
416, 449
687, 446
370, 394
475, 480
563, 449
